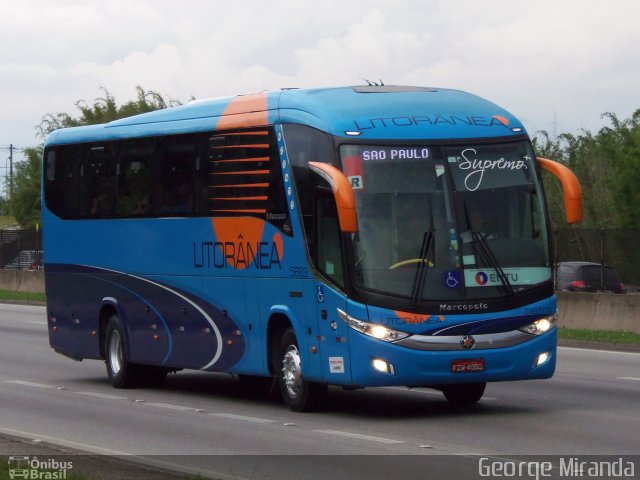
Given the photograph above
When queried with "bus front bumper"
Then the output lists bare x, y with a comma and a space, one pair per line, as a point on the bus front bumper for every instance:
377, 363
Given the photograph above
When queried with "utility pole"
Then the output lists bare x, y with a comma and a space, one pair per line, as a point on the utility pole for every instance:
10, 170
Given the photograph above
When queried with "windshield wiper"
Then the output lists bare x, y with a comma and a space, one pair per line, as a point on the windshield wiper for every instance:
485, 253
425, 252
487, 256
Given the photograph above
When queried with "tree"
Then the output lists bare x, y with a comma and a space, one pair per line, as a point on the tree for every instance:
24, 204
608, 166
3, 206
105, 109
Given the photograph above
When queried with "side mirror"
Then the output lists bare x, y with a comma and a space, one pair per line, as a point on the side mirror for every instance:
571, 190
343, 194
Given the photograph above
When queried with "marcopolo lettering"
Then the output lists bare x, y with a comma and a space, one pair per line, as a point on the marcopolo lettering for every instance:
239, 255
464, 307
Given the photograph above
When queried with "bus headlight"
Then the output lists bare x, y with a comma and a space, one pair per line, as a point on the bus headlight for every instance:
374, 330
541, 325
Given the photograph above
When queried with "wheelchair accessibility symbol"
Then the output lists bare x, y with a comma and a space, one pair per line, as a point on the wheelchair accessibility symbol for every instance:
320, 294
452, 279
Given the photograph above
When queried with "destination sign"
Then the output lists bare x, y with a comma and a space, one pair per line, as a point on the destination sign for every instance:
394, 153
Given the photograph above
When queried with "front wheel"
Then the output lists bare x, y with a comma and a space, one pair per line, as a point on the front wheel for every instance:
298, 394
464, 394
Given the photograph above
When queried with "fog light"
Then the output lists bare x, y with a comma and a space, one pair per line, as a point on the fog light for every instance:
383, 367
542, 358
380, 365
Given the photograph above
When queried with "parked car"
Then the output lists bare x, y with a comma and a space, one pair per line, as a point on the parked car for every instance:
588, 277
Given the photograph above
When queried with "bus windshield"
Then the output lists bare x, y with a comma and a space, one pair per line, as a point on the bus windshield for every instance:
447, 223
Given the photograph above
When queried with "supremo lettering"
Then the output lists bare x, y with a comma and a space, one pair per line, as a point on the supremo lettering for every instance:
473, 180
238, 255
396, 154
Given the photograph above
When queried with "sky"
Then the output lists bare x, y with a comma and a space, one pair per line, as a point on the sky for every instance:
555, 64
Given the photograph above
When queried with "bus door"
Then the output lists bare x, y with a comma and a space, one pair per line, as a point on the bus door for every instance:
332, 331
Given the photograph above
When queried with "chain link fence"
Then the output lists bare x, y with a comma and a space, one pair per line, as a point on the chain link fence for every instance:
20, 249
618, 248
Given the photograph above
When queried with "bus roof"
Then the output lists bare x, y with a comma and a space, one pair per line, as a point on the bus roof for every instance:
365, 112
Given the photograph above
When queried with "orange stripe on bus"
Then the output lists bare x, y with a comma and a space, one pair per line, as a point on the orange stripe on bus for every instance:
254, 159
241, 198
242, 185
244, 111
256, 133
250, 145
247, 172
264, 210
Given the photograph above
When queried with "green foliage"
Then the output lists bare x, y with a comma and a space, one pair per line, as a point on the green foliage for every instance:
24, 204
608, 167
105, 109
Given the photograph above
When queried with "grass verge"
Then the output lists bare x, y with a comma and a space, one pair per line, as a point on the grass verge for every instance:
604, 336
7, 295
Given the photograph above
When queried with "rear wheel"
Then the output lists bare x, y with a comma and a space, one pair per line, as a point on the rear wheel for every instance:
121, 372
464, 394
298, 394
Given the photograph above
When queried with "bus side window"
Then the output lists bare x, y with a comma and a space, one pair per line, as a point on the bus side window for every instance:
94, 182
178, 163
327, 245
135, 179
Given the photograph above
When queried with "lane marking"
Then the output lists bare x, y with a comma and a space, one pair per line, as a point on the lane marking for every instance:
429, 392
38, 323
359, 436
170, 406
60, 441
29, 384
592, 350
629, 378
102, 395
242, 417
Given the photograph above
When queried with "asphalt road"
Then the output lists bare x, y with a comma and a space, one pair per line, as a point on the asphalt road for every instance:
210, 424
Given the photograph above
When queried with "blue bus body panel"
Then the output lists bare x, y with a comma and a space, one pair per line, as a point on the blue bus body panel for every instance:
427, 115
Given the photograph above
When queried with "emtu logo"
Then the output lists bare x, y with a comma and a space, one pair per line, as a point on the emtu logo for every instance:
482, 278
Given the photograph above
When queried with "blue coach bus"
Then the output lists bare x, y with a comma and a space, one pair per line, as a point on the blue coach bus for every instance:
361, 236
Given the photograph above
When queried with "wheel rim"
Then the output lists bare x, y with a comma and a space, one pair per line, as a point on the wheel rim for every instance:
292, 372
115, 352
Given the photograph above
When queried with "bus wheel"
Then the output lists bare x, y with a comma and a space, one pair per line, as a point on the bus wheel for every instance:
122, 374
464, 394
298, 394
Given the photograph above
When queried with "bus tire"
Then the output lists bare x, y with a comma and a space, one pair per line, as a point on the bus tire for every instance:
298, 394
464, 394
121, 372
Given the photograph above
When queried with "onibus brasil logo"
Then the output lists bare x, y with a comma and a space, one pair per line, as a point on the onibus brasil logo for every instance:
35, 469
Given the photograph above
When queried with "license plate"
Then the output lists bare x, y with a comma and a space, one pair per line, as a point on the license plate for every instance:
474, 365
